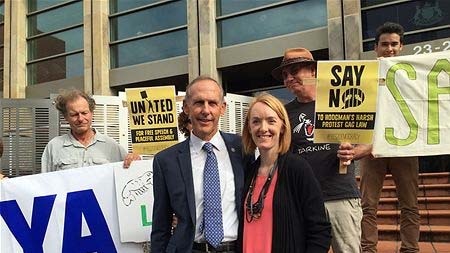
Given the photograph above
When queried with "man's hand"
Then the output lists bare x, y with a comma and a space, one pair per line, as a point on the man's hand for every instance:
130, 158
346, 153
363, 150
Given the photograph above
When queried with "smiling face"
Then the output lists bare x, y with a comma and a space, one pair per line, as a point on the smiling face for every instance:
293, 78
265, 127
388, 45
204, 106
79, 116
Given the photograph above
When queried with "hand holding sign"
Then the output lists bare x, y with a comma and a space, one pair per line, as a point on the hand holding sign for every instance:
345, 154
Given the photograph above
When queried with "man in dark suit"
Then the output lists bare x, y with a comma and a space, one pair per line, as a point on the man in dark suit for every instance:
178, 177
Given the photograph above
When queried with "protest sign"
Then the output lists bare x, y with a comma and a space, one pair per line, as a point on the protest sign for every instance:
65, 211
134, 194
153, 118
345, 101
413, 114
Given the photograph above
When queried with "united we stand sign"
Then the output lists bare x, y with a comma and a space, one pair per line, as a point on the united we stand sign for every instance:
153, 118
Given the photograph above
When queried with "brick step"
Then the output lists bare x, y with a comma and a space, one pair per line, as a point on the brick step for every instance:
427, 217
430, 203
424, 178
428, 233
432, 190
434, 178
424, 247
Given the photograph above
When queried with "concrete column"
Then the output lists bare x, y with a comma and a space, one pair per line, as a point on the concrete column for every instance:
193, 39
87, 46
207, 39
335, 30
352, 29
344, 29
96, 47
15, 49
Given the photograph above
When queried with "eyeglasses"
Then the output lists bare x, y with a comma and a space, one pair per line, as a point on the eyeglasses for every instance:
295, 68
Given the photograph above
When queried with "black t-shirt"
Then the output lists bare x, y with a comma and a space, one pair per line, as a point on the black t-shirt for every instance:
321, 156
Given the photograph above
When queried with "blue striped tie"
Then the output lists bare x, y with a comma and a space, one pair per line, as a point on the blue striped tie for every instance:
212, 204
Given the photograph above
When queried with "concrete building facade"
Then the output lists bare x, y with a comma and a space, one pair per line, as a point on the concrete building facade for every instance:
105, 46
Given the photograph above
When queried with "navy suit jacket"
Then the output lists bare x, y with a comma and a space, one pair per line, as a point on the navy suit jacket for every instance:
173, 191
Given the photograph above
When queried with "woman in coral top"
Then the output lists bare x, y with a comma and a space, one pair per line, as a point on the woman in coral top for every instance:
283, 206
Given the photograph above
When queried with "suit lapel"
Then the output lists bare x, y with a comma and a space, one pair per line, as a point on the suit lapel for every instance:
184, 161
235, 154
185, 164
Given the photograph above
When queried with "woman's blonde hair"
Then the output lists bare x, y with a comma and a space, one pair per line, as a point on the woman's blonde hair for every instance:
278, 107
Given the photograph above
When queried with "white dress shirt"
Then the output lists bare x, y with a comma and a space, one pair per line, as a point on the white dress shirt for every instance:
227, 189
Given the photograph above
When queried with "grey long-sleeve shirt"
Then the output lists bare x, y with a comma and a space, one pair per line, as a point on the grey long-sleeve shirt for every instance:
65, 152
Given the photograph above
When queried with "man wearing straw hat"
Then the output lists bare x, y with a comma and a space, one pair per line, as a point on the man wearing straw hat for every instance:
340, 192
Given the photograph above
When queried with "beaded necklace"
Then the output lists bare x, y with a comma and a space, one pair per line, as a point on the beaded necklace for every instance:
254, 210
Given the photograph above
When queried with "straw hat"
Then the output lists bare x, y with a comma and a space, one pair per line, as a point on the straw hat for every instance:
293, 56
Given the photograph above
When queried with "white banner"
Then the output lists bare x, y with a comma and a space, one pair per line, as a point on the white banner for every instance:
413, 112
66, 211
134, 193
